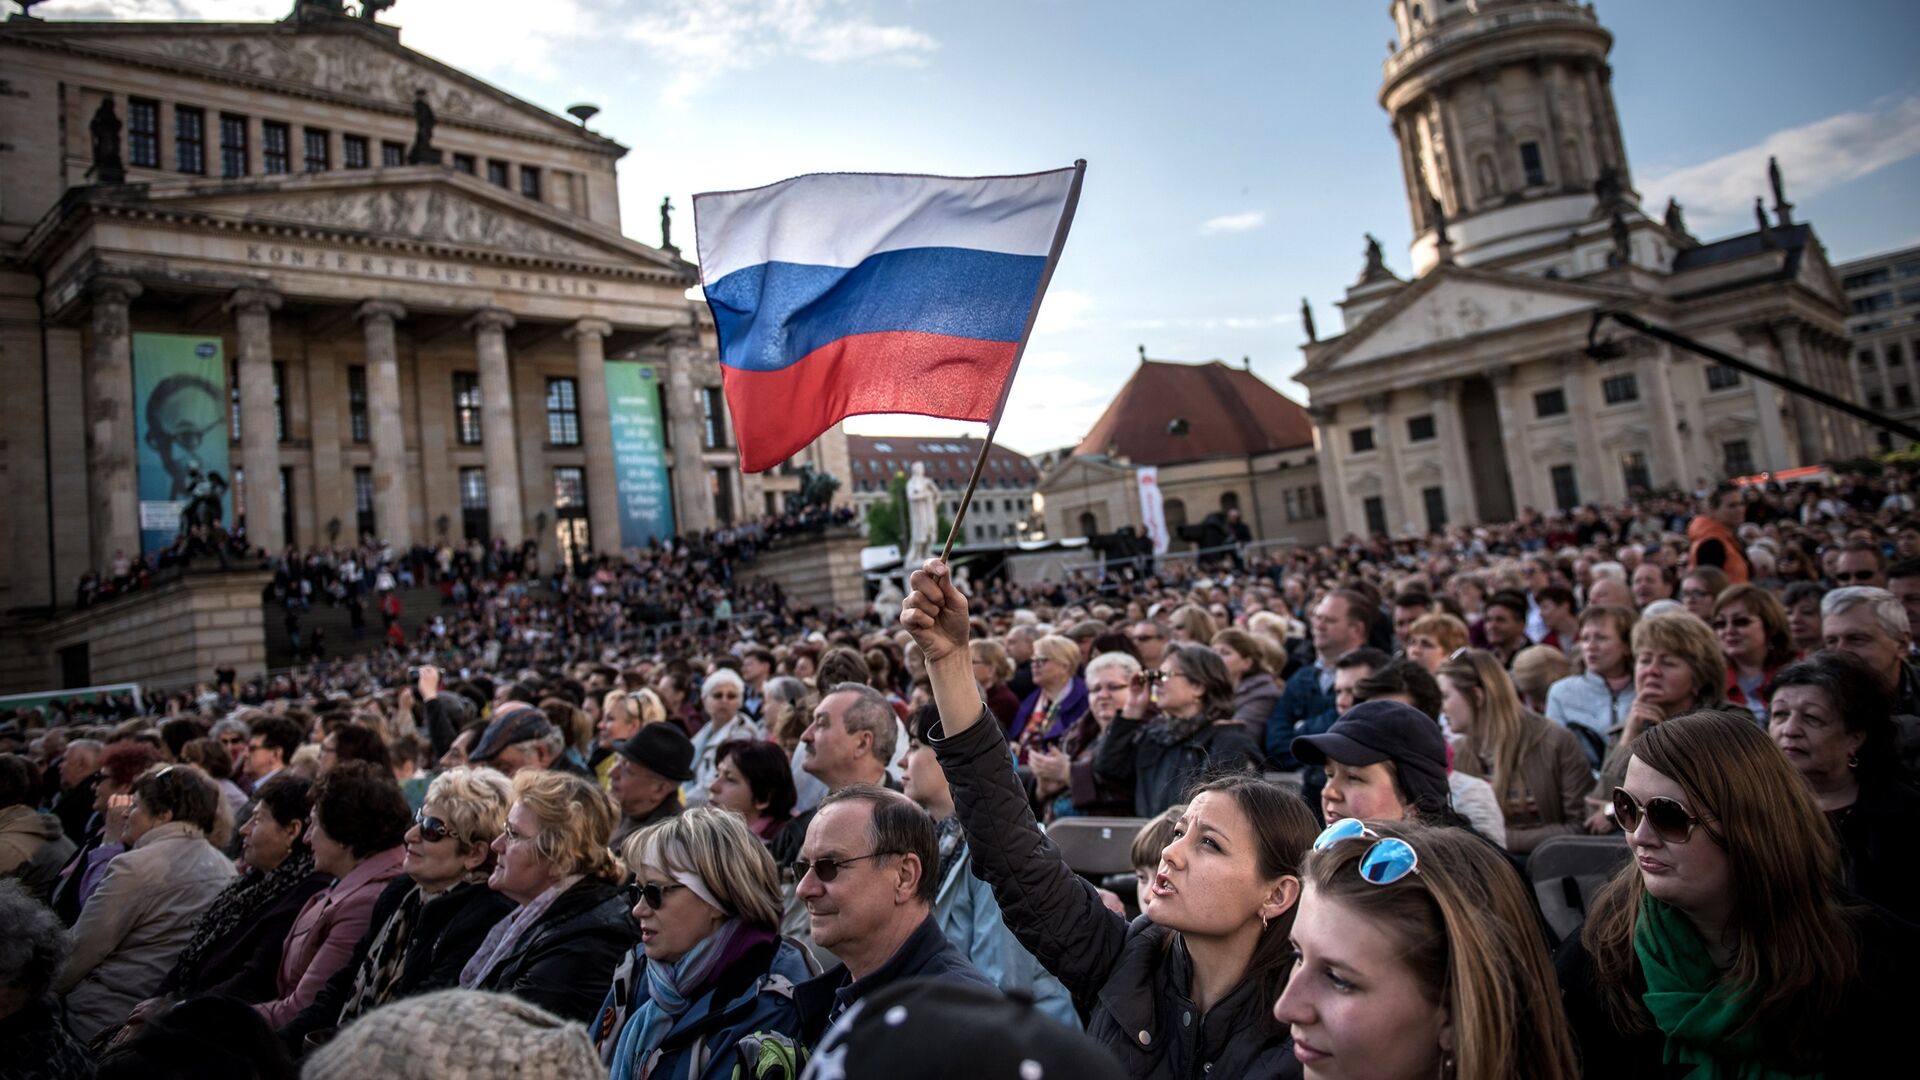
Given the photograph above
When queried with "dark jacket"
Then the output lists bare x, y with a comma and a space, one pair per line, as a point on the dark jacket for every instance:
925, 953
1133, 978
1304, 709
445, 935
1879, 848
245, 964
1862, 1035
1163, 765
564, 962
719, 1037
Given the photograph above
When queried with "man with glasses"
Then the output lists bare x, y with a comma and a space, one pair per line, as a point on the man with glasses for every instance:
1860, 564
1150, 641
867, 874
271, 744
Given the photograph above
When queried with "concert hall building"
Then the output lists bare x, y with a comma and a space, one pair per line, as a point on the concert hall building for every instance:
376, 294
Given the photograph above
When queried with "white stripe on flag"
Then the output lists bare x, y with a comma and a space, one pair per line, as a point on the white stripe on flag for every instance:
838, 219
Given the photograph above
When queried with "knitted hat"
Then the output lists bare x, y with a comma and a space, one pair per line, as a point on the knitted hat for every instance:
934, 1029
457, 1035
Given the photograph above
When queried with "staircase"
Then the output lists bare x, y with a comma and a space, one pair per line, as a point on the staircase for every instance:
417, 607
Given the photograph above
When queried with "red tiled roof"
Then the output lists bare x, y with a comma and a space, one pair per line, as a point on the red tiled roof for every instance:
1229, 412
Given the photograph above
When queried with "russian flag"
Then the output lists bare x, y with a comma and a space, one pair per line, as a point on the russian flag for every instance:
840, 294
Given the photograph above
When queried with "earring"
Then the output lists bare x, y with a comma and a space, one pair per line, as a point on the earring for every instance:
1265, 922
1853, 761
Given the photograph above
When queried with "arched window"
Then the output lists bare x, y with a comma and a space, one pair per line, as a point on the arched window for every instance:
1089, 525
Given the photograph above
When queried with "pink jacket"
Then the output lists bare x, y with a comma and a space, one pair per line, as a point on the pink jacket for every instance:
324, 933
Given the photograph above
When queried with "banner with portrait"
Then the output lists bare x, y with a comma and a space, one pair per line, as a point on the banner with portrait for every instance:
639, 455
180, 428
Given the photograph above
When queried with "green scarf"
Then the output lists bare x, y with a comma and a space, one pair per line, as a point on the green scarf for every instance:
1698, 1017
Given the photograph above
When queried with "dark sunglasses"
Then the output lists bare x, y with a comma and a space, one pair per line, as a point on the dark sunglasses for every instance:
828, 869
653, 894
432, 829
1672, 822
1854, 575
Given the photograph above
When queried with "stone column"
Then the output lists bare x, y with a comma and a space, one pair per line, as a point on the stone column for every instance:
392, 491
1588, 466
1671, 463
113, 493
693, 494
259, 443
1392, 483
1334, 484
497, 434
1444, 396
1520, 464
596, 433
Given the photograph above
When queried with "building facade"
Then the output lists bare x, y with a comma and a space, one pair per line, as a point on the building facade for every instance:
1002, 507
1883, 298
417, 280
1465, 394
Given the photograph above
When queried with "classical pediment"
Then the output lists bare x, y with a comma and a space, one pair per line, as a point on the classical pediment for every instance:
1451, 305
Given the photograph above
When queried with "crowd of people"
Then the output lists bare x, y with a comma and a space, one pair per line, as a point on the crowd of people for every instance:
645, 818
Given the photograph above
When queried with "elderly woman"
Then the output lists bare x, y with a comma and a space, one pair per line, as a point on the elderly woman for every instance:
1058, 701
359, 818
120, 765
430, 920
1064, 781
1175, 729
721, 695
707, 994
1831, 718
1677, 667
992, 667
144, 912
31, 1035
570, 927
754, 780
1752, 627
1254, 691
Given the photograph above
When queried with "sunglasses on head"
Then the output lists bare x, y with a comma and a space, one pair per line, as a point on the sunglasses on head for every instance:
828, 869
653, 893
1672, 822
1388, 859
432, 829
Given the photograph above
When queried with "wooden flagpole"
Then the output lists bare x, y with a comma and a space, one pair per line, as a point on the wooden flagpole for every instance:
1040, 293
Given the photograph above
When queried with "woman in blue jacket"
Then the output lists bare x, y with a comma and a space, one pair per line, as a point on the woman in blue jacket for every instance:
708, 993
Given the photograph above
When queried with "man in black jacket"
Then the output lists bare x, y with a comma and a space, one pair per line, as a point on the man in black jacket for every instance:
867, 874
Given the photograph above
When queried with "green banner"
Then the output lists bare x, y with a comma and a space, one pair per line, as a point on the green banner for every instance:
180, 424
639, 455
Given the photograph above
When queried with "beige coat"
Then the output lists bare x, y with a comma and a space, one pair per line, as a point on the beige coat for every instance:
134, 926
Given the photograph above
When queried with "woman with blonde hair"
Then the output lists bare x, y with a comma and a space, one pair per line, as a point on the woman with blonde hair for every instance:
707, 992
1191, 624
1725, 947
559, 946
1419, 954
1433, 638
1536, 767
1677, 667
619, 721
1059, 697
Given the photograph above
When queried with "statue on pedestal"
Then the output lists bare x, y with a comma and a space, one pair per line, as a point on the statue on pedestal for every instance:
666, 224
923, 515
1782, 209
1306, 319
108, 166
1376, 262
422, 151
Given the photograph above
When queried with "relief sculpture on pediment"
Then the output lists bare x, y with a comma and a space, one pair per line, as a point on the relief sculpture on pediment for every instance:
438, 217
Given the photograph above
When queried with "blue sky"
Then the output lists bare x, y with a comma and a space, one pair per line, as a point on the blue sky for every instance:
1236, 152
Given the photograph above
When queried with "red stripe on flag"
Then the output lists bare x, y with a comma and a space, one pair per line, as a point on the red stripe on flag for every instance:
777, 413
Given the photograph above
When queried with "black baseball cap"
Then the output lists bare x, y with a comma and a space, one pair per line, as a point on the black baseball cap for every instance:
1376, 731
936, 1029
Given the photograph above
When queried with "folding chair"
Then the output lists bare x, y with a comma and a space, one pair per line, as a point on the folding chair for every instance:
1567, 870
1096, 846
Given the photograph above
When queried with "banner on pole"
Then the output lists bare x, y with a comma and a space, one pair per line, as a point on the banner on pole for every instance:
180, 427
639, 454
1153, 510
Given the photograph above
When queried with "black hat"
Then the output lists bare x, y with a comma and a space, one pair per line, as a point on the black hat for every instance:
662, 747
1376, 731
935, 1029
514, 722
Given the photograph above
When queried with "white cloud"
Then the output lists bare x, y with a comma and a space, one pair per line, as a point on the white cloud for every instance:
1814, 159
1233, 223
701, 40
165, 10
1214, 322
1063, 309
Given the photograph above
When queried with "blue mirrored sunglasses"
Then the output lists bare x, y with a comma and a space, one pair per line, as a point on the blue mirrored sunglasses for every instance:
1387, 861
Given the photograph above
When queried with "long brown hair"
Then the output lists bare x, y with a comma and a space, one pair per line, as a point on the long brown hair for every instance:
1283, 829
1793, 941
1468, 932
1503, 730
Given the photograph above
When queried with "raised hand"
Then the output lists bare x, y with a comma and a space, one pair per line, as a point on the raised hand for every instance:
935, 613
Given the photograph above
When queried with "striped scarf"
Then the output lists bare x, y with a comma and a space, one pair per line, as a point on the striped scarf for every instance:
238, 904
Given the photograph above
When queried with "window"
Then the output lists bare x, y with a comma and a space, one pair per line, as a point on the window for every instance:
463, 163
1902, 396
563, 413
1420, 428
1738, 455
353, 151
714, 417
280, 403
1876, 400
1549, 403
1376, 511
189, 139
286, 503
276, 152
1866, 358
473, 504
1620, 389
1722, 377
1895, 357
392, 153
1436, 503
1319, 502
570, 512
363, 501
318, 156
1633, 469
1292, 500
1361, 438
233, 145
143, 133
1566, 487
1877, 276
357, 401
1532, 165
1877, 302
722, 495
530, 181
497, 173
466, 408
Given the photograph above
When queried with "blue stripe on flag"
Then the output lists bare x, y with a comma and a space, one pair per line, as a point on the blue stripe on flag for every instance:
772, 315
